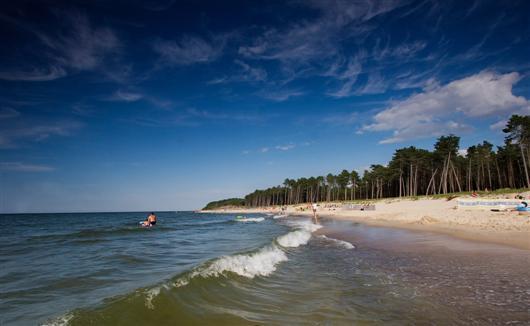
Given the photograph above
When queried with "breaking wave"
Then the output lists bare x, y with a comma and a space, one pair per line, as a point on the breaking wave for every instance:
250, 219
262, 262
294, 239
340, 243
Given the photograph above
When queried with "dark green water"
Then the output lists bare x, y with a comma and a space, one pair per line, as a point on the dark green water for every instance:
197, 269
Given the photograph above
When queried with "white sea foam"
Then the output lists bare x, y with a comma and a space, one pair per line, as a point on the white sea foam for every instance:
251, 219
304, 225
301, 236
260, 263
279, 216
150, 295
340, 243
59, 321
294, 239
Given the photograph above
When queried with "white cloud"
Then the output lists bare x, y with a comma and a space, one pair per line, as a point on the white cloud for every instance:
499, 125
285, 147
278, 148
85, 47
402, 51
426, 129
251, 73
421, 115
11, 135
462, 152
189, 50
247, 74
280, 95
348, 76
79, 46
35, 74
317, 39
220, 80
23, 167
375, 84
123, 96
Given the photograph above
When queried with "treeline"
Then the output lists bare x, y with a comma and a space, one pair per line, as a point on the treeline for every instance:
224, 203
413, 171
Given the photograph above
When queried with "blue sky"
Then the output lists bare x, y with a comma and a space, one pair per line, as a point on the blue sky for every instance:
166, 105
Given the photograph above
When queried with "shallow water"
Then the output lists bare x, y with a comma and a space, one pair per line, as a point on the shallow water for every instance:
101, 269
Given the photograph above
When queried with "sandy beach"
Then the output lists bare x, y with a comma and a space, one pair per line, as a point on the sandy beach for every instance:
434, 215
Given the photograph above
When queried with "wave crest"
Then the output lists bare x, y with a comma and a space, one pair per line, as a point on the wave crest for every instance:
260, 263
250, 219
294, 239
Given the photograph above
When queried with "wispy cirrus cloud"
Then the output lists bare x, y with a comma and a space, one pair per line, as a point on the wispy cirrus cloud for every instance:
189, 50
246, 73
84, 47
79, 46
436, 110
315, 39
279, 95
277, 148
8, 113
314, 47
194, 117
400, 51
286, 147
24, 167
132, 96
346, 75
375, 84
34, 74
12, 135
125, 96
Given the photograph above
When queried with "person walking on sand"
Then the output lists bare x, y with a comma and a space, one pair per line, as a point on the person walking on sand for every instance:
314, 206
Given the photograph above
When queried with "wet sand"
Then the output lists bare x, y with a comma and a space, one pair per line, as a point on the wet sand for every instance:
485, 283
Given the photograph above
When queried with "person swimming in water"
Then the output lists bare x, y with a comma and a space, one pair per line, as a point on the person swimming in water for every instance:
151, 220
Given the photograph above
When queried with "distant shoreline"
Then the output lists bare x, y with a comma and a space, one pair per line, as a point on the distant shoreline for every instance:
431, 215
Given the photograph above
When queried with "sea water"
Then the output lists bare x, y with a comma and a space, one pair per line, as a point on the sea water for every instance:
192, 268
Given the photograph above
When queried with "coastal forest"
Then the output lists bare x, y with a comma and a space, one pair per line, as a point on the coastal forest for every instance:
413, 172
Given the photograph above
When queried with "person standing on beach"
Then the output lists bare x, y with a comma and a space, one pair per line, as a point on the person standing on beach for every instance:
314, 207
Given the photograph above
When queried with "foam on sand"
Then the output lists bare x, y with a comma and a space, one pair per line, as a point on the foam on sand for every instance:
60, 321
150, 295
338, 242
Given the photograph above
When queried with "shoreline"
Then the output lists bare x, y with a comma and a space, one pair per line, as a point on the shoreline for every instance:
427, 215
